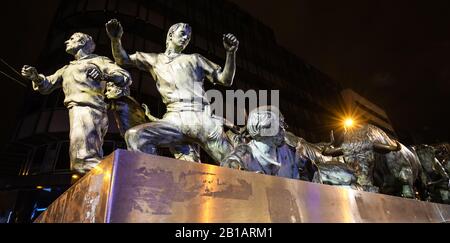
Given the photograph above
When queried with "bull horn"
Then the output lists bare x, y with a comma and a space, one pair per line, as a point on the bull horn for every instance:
334, 152
386, 148
436, 182
331, 137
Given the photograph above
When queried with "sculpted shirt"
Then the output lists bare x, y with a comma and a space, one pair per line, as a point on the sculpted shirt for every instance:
79, 89
179, 80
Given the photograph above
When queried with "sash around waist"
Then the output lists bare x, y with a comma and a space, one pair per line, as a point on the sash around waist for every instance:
188, 105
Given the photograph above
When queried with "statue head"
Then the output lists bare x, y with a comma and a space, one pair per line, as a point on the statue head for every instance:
80, 41
179, 36
114, 92
267, 123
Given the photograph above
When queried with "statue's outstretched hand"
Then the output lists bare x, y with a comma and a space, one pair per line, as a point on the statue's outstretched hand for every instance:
230, 42
114, 29
30, 73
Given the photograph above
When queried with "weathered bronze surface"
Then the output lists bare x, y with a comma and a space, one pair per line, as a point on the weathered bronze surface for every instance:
137, 187
179, 79
86, 200
83, 82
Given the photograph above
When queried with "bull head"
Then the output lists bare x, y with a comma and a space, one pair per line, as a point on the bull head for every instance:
329, 151
386, 148
334, 152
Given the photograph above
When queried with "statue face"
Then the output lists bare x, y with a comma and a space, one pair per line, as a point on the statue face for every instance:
279, 139
74, 44
266, 123
278, 124
276, 140
181, 37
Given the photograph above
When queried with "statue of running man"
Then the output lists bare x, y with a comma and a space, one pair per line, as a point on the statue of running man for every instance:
179, 79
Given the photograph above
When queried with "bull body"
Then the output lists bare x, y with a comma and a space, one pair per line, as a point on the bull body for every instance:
434, 174
381, 164
317, 167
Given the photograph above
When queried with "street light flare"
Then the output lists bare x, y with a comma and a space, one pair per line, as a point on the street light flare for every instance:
348, 122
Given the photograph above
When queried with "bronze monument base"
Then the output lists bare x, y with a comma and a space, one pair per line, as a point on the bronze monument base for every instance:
135, 187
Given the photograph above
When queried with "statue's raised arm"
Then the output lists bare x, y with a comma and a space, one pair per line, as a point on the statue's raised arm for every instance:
115, 31
231, 44
31, 73
179, 79
41, 83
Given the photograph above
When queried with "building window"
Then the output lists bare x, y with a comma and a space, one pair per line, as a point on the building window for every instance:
59, 121
38, 159
81, 5
143, 12
152, 47
138, 43
96, 5
127, 41
51, 100
370, 111
28, 124
103, 38
112, 5
128, 7
63, 161
156, 19
43, 122
201, 42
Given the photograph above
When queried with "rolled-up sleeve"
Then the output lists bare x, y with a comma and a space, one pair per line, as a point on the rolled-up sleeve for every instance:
144, 61
211, 69
49, 83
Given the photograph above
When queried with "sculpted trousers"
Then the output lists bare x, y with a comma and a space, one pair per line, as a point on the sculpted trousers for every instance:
88, 127
129, 113
177, 128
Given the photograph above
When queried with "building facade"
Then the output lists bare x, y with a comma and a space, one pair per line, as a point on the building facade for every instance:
366, 111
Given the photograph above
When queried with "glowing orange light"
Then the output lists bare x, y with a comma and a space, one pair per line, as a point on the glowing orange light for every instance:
349, 122
39, 187
75, 176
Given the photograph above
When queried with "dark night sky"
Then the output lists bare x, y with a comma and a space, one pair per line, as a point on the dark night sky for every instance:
396, 53
393, 52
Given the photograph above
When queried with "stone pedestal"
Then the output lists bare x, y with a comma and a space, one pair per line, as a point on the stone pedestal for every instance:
135, 187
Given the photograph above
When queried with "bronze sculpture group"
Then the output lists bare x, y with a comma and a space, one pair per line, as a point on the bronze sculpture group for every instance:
368, 159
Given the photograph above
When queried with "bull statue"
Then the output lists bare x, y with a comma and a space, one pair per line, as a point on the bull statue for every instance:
381, 164
434, 175
443, 155
317, 167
